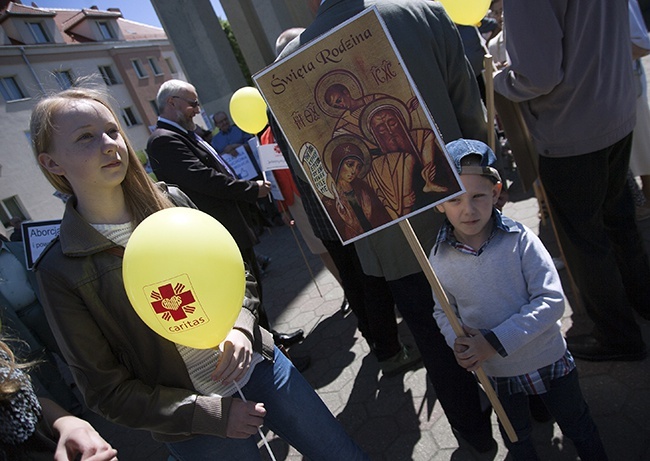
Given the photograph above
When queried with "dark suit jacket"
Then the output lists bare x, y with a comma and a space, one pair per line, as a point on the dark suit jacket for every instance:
178, 158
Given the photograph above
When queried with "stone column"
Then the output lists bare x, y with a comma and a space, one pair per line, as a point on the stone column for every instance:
203, 50
257, 24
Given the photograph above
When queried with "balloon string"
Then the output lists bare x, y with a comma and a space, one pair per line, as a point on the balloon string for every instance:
266, 443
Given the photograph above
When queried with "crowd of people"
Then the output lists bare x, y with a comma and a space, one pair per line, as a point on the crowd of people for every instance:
579, 100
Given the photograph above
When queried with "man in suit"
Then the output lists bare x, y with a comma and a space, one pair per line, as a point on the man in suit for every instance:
433, 53
178, 156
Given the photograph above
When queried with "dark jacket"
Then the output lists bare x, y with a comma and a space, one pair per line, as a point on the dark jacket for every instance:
178, 158
125, 371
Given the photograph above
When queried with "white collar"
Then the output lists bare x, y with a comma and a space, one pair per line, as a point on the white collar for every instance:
169, 122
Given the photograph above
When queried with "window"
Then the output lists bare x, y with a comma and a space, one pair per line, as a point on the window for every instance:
154, 106
153, 62
108, 74
139, 69
170, 64
11, 208
64, 78
38, 31
128, 115
10, 89
105, 30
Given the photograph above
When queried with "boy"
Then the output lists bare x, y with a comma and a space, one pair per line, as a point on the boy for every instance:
502, 283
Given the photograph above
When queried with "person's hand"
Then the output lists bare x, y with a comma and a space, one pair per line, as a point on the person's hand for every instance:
345, 213
413, 104
77, 437
244, 419
235, 358
231, 149
264, 188
286, 218
472, 350
409, 200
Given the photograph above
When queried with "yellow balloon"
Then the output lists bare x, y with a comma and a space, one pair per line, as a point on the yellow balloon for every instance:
466, 12
184, 276
248, 110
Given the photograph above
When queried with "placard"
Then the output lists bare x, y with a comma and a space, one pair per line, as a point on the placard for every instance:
37, 235
241, 164
361, 132
271, 157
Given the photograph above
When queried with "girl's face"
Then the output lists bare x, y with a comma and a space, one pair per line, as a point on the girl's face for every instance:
349, 169
87, 148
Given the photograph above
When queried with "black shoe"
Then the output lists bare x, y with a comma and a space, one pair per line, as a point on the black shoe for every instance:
288, 339
586, 347
406, 359
345, 307
301, 363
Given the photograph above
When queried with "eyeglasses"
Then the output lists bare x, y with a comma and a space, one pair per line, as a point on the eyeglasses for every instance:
194, 103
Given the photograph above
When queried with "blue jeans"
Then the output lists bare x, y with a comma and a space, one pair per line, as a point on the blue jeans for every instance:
565, 402
294, 412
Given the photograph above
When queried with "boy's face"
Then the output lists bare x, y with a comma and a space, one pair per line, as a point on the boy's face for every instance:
470, 213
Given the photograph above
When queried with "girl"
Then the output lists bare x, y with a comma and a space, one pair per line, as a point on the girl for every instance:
125, 371
35, 428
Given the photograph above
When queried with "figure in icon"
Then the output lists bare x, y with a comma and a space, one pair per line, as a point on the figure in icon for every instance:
356, 208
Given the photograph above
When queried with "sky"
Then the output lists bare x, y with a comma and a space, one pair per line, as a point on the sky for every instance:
135, 10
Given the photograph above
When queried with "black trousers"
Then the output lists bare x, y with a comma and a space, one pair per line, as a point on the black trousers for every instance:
370, 299
595, 218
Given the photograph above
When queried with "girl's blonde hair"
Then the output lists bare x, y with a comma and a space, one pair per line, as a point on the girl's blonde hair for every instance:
142, 196
10, 383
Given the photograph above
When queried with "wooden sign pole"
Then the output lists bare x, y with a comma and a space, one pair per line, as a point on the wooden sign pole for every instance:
414, 243
489, 99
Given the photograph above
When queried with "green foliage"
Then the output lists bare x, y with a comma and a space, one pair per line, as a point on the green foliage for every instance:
225, 25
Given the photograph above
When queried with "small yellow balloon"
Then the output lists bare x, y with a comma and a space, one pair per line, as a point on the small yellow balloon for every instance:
184, 276
248, 110
466, 12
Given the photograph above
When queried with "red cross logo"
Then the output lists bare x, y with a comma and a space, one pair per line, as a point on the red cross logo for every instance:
173, 302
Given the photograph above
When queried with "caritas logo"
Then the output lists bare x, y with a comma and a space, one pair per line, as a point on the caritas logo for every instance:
176, 306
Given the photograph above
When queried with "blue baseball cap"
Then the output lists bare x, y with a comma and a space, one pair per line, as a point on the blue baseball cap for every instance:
473, 157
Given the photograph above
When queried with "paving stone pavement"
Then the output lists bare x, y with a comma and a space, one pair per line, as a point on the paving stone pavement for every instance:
399, 418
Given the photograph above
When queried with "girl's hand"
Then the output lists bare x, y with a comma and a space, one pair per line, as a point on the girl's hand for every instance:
236, 353
244, 419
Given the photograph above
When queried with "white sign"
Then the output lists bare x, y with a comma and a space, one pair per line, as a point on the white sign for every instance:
37, 235
271, 157
242, 164
276, 193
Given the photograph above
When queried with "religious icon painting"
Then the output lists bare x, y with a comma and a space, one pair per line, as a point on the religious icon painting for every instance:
359, 128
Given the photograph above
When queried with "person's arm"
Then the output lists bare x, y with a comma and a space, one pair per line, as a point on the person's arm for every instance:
174, 162
112, 389
638, 31
534, 46
546, 299
76, 437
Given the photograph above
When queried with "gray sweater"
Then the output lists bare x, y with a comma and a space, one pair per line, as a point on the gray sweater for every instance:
513, 289
571, 71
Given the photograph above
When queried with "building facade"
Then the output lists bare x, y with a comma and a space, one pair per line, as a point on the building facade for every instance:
43, 51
